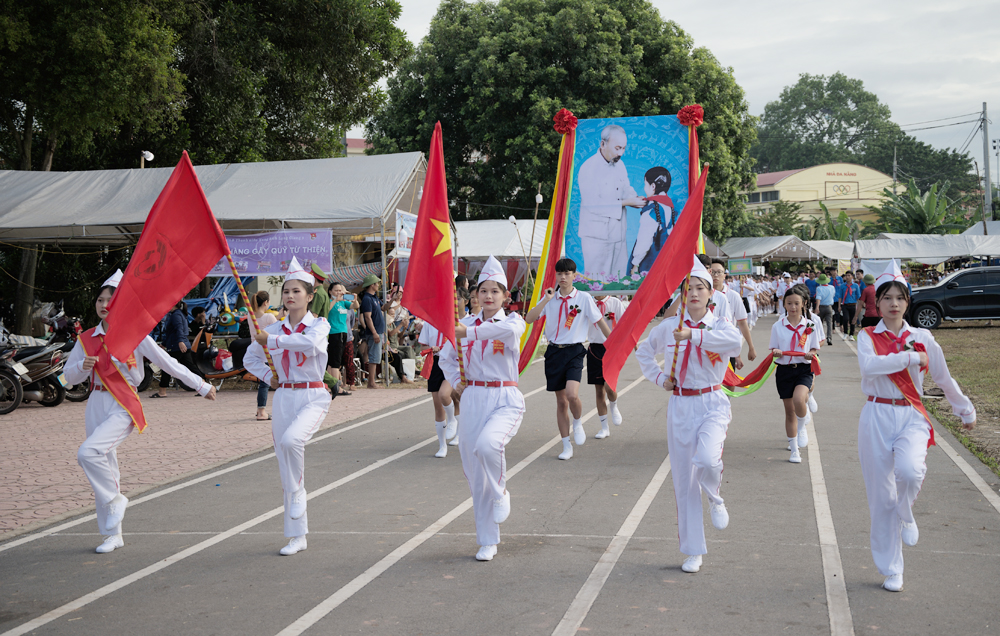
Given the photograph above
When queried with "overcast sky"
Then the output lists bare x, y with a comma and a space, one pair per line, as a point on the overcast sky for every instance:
926, 60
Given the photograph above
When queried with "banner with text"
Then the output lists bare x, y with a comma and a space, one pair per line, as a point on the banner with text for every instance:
269, 254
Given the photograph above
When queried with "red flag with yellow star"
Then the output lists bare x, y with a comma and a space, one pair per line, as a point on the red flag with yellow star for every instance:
429, 292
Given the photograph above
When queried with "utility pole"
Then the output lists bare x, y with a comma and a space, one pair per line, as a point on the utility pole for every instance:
988, 199
894, 169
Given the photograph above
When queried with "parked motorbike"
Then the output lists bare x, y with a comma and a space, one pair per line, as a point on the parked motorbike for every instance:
39, 371
11, 392
67, 329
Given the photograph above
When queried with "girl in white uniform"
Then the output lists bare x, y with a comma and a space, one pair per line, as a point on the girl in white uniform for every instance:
108, 423
298, 348
698, 412
894, 432
492, 405
794, 376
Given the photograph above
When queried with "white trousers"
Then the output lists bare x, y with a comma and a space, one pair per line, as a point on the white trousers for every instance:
107, 427
696, 432
296, 416
892, 447
490, 418
607, 255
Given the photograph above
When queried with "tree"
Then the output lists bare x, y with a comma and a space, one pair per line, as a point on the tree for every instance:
782, 219
834, 119
826, 228
495, 73
911, 212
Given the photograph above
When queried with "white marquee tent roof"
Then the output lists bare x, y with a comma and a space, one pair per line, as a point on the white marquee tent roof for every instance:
993, 227
352, 195
834, 250
927, 248
770, 248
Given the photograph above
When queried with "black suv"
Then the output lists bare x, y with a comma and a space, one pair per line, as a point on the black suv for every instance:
969, 294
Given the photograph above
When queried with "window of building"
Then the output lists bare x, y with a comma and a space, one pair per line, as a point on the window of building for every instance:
753, 197
769, 196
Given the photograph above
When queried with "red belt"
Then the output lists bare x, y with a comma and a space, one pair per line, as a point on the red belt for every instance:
493, 385
301, 385
878, 400
707, 389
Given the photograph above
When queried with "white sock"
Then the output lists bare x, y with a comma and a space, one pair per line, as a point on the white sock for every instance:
567, 444
576, 423
442, 442
613, 404
793, 442
802, 421
604, 422
449, 411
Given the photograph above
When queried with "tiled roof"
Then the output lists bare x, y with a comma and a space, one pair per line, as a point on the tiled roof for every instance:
771, 178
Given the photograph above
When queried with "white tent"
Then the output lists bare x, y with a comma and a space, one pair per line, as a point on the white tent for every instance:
351, 195
929, 249
992, 228
769, 248
833, 250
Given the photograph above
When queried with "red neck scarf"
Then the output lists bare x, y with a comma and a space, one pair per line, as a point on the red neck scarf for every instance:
687, 352
796, 337
286, 361
563, 311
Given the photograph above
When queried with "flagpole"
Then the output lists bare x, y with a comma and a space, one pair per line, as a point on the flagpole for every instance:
680, 322
458, 341
253, 316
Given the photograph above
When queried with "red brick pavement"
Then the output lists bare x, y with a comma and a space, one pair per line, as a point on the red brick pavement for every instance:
40, 481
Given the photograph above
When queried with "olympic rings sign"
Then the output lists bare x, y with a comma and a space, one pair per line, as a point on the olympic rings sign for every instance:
841, 189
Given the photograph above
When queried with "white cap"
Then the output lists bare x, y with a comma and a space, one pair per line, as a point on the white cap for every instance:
890, 274
786, 275
699, 271
297, 272
492, 270
115, 279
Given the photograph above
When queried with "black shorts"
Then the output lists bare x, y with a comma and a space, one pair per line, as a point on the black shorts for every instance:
437, 378
563, 364
595, 364
335, 345
789, 376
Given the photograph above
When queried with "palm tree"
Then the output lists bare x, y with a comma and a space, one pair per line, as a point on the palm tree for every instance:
825, 227
914, 213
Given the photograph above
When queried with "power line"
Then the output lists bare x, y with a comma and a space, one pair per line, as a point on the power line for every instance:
931, 121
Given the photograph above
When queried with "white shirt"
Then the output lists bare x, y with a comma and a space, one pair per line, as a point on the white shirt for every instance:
306, 351
612, 309
587, 314
875, 370
736, 310
490, 350
430, 336
820, 331
749, 288
781, 338
148, 349
717, 336
603, 187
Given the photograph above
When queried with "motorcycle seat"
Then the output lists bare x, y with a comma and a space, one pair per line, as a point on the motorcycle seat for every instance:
27, 352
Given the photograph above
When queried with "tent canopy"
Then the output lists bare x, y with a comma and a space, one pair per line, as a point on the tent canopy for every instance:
929, 249
771, 248
352, 195
992, 227
833, 250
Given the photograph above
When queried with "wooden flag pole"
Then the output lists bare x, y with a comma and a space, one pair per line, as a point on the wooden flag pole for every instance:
458, 341
253, 317
680, 322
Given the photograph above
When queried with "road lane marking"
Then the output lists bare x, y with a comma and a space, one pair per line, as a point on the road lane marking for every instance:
580, 607
331, 603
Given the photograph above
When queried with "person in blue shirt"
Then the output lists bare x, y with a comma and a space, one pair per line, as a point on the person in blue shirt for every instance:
859, 276
812, 285
177, 344
825, 295
849, 294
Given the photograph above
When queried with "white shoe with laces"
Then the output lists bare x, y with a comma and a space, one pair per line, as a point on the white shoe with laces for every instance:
116, 511
486, 553
616, 416
604, 432
297, 544
110, 544
298, 507
579, 435
451, 429
567, 452
454, 440
813, 406
910, 533
501, 508
803, 436
893, 582
796, 457
720, 516
692, 564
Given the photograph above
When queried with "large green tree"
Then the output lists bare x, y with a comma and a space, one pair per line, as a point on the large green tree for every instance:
833, 119
495, 73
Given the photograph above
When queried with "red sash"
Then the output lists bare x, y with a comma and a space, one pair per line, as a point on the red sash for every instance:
425, 371
885, 343
112, 378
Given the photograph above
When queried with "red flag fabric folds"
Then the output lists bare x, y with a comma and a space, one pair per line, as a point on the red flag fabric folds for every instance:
180, 243
670, 267
430, 292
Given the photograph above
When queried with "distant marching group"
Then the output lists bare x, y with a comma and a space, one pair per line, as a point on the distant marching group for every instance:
894, 431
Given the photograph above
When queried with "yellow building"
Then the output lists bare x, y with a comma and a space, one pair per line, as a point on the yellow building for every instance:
840, 186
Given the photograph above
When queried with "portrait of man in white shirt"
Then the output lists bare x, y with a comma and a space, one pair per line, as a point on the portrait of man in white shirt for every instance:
605, 191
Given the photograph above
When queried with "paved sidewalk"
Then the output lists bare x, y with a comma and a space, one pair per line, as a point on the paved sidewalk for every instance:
40, 481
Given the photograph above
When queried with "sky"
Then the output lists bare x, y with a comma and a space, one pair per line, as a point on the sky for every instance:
926, 60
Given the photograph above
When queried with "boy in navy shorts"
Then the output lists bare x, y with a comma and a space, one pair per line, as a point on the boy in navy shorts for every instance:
568, 316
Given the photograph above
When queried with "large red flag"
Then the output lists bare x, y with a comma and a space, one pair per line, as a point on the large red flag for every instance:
180, 243
670, 267
430, 286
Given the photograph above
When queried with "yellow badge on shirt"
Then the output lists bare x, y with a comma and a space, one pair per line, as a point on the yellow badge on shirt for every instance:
497, 347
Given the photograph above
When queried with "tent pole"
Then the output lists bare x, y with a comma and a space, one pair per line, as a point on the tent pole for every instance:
385, 338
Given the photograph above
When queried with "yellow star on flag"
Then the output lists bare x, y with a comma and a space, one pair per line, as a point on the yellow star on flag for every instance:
445, 244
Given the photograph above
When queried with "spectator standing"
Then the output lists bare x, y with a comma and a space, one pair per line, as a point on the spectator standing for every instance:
868, 308
341, 309
849, 295
372, 325
320, 305
825, 294
175, 341
258, 304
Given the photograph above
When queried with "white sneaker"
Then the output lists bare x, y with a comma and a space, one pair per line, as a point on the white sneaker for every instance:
720, 516
604, 432
910, 533
579, 435
298, 507
454, 440
893, 582
486, 553
616, 416
567, 451
297, 544
116, 511
813, 406
451, 430
110, 543
692, 564
851, 338
796, 457
442, 451
501, 508
803, 436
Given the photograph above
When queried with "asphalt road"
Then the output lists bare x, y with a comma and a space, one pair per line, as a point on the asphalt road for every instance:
590, 544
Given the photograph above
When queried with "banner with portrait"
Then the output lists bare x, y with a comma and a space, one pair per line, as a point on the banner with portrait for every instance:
629, 185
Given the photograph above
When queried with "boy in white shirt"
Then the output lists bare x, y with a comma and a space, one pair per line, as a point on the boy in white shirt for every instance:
612, 308
567, 320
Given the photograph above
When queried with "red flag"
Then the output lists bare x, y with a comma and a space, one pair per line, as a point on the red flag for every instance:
672, 264
180, 243
430, 288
